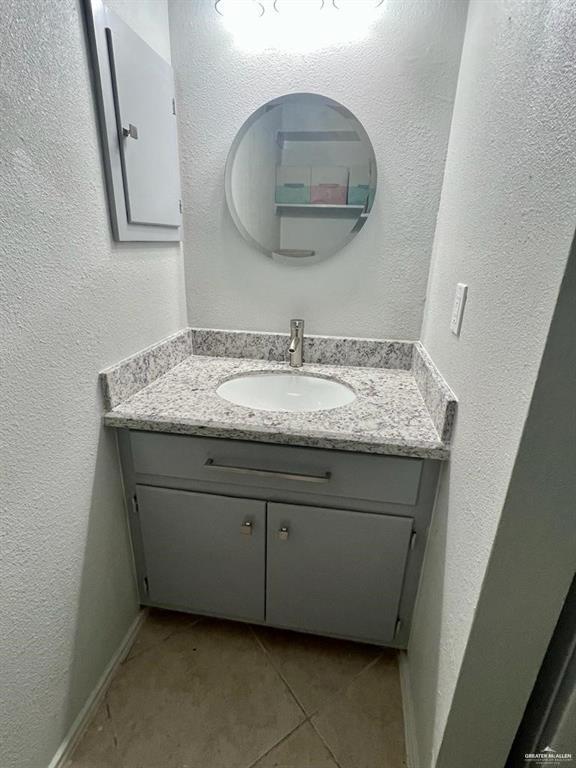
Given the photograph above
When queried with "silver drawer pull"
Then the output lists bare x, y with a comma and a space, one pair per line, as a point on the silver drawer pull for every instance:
283, 533
246, 528
324, 478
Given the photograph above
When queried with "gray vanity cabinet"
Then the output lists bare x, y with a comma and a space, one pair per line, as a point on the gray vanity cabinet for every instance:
202, 552
316, 540
336, 572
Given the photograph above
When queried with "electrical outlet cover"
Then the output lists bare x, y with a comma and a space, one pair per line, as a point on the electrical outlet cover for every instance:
458, 308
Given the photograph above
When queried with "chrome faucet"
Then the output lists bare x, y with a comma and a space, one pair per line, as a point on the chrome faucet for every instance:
296, 343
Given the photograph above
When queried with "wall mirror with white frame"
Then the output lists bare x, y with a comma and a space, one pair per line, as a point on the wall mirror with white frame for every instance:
300, 178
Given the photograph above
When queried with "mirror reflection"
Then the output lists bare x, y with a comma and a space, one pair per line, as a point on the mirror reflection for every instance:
301, 178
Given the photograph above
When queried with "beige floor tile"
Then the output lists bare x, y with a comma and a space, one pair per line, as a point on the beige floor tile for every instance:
159, 625
207, 697
315, 667
363, 726
302, 749
97, 747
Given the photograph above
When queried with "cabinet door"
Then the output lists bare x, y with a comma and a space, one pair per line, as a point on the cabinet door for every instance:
204, 553
335, 572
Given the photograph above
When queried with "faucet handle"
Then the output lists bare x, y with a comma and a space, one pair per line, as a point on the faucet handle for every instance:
296, 323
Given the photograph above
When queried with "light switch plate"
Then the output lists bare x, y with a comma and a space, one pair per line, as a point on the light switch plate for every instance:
458, 308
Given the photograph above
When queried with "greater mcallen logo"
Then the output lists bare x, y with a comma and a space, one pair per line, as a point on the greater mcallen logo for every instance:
548, 756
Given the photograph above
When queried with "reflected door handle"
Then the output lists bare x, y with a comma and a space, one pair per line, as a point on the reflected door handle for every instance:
246, 528
130, 132
283, 533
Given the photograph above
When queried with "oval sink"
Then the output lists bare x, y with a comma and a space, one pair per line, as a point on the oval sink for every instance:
285, 392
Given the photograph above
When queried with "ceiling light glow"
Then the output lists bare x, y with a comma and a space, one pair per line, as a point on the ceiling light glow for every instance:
239, 9
298, 7
356, 5
297, 26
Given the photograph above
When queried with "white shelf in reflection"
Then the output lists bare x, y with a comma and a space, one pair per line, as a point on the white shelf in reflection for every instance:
319, 209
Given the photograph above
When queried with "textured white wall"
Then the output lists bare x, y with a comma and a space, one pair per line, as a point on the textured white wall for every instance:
71, 302
505, 224
399, 81
529, 572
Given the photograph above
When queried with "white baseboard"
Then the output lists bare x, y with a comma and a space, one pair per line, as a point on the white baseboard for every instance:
66, 748
412, 757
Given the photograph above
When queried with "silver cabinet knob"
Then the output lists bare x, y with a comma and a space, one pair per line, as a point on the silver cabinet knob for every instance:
283, 533
246, 528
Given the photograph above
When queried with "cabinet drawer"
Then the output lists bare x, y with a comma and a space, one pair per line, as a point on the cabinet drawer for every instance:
237, 463
335, 572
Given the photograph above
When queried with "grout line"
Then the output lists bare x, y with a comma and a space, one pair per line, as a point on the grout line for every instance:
340, 690
338, 693
270, 658
179, 631
277, 744
109, 708
368, 665
187, 626
309, 717
115, 738
346, 685
328, 747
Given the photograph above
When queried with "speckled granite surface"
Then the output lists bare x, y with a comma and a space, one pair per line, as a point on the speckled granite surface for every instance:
389, 415
325, 350
122, 380
403, 407
438, 397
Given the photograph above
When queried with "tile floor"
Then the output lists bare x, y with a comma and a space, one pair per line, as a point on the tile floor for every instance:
202, 693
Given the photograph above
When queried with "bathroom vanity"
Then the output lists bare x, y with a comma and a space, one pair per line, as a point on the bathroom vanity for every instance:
311, 521
271, 478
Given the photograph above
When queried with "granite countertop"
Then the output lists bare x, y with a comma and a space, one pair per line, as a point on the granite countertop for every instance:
389, 415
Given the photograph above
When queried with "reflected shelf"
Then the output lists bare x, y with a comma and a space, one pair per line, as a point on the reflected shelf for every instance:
320, 210
284, 136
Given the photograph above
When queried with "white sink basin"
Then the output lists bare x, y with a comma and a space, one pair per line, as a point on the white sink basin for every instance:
285, 392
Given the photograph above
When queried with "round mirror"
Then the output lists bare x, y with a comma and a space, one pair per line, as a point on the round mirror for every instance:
300, 178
